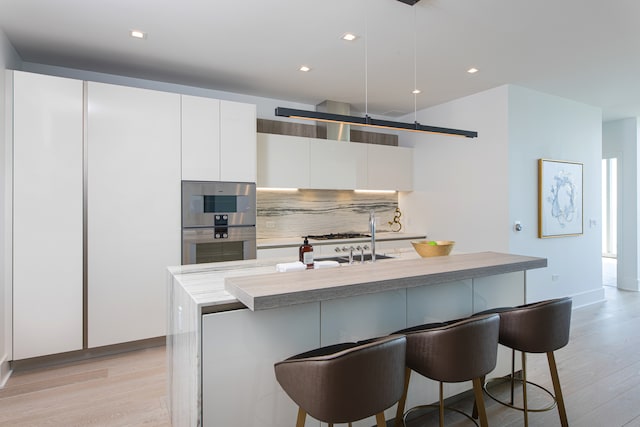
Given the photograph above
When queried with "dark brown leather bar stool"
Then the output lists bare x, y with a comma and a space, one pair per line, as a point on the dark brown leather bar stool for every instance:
541, 327
456, 351
347, 382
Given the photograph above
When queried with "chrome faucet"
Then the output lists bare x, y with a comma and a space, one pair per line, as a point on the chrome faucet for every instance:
362, 249
372, 229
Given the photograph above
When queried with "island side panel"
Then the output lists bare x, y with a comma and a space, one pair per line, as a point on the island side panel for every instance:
362, 317
503, 290
436, 303
183, 349
239, 349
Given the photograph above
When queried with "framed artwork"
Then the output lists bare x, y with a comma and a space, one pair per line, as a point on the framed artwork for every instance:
559, 198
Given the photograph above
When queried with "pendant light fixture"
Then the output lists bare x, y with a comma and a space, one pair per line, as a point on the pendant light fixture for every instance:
367, 120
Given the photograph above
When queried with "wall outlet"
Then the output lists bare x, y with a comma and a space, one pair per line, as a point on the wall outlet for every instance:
555, 277
270, 225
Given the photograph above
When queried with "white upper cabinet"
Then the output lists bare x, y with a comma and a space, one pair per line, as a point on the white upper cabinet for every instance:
200, 138
337, 165
218, 140
298, 162
389, 168
47, 215
283, 161
134, 229
238, 153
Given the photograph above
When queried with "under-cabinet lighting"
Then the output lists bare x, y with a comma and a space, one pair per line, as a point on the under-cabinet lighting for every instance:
472, 70
304, 68
375, 191
370, 122
277, 189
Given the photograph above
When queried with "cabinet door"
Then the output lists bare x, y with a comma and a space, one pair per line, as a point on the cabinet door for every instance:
237, 142
283, 161
47, 215
337, 165
200, 138
390, 168
133, 210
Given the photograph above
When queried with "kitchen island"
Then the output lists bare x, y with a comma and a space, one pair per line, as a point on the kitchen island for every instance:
230, 322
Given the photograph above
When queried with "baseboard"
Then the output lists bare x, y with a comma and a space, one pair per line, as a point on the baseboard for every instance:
76, 356
5, 371
587, 298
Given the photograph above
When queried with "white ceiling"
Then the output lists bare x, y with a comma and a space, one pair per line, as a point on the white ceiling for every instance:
585, 50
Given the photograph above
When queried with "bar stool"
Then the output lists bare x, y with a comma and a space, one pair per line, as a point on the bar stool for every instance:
541, 327
456, 351
346, 382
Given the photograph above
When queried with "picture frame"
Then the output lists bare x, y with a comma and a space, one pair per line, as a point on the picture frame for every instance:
560, 198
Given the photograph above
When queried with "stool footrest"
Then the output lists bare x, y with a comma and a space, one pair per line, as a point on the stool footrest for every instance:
447, 408
519, 408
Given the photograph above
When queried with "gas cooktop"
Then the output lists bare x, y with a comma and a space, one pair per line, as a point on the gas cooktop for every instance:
334, 236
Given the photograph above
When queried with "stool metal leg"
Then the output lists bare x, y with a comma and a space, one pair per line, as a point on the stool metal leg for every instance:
556, 387
380, 420
403, 399
524, 389
479, 403
441, 405
302, 416
513, 373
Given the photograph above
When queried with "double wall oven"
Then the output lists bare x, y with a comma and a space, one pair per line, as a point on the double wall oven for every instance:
218, 221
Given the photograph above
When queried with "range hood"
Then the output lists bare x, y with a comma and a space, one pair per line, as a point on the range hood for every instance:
335, 131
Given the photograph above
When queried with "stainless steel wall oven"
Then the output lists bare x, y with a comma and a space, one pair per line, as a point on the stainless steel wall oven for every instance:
218, 221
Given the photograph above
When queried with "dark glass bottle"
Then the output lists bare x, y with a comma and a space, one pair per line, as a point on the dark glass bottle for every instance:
306, 253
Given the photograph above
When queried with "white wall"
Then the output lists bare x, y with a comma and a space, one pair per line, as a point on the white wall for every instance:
472, 190
545, 126
620, 139
461, 184
8, 60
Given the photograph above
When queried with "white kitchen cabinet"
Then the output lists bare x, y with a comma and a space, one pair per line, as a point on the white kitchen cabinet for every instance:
283, 161
299, 162
200, 138
238, 151
337, 165
389, 168
133, 185
218, 140
47, 215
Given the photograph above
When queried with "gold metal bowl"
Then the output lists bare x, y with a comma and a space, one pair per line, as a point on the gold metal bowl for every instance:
441, 248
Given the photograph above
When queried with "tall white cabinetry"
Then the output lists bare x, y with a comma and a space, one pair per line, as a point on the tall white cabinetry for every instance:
218, 140
47, 215
133, 210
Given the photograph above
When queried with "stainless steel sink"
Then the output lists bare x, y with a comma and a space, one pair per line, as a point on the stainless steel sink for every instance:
356, 258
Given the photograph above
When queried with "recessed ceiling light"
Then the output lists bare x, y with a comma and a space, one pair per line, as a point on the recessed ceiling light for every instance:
304, 68
349, 37
472, 70
138, 34
416, 91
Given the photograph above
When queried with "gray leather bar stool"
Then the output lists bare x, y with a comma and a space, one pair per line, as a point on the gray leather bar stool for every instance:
456, 351
347, 382
541, 327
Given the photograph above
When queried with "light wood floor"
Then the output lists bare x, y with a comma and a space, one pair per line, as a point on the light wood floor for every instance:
599, 371
124, 390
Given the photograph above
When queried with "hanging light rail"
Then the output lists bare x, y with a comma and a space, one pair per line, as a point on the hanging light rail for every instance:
370, 122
